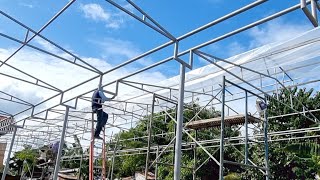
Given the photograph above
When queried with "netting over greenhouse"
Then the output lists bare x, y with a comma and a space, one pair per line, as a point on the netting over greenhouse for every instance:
159, 99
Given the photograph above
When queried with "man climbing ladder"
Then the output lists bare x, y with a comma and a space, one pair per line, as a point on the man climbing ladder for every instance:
98, 98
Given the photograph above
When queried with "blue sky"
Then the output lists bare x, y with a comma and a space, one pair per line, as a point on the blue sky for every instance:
104, 36
89, 27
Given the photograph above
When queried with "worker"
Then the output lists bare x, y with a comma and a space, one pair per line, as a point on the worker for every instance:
98, 98
261, 105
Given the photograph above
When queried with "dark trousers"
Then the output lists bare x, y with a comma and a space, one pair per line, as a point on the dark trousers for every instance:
102, 119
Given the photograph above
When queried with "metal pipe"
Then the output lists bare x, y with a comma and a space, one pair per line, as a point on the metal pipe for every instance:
194, 158
240, 164
6, 168
57, 167
103, 174
223, 18
32, 171
29, 82
41, 29
79, 173
246, 128
169, 35
177, 156
209, 42
265, 130
314, 11
149, 138
250, 84
222, 129
156, 170
310, 16
91, 150
113, 158
49, 53
139, 19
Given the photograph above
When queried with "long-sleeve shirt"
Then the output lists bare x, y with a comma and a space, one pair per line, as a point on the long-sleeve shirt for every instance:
98, 97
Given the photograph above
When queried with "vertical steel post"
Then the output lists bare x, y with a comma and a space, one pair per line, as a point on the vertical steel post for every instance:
22, 170
291, 102
314, 9
32, 172
6, 168
177, 154
104, 155
222, 128
303, 3
149, 138
277, 87
246, 130
57, 167
113, 158
194, 157
79, 173
265, 129
157, 161
91, 149
109, 167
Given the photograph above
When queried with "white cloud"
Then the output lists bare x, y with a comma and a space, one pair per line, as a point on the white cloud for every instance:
235, 48
26, 95
271, 32
45, 44
117, 50
95, 12
227, 50
112, 20
27, 5
62, 74
276, 31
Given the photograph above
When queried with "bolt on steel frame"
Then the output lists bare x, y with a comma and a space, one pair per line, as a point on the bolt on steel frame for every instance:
48, 130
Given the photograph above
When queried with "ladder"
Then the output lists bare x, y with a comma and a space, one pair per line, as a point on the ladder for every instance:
92, 149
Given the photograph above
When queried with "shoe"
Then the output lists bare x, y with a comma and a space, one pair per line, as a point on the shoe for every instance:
98, 137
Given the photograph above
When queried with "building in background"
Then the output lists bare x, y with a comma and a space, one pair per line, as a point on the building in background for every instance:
4, 129
2, 151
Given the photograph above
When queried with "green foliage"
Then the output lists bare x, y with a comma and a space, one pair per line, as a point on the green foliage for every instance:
162, 123
27, 155
295, 159
74, 154
304, 149
232, 176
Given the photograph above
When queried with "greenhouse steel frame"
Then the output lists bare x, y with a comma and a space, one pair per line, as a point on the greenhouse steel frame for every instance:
247, 87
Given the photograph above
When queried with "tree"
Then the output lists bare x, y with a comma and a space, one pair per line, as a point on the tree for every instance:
162, 123
74, 153
296, 159
26, 155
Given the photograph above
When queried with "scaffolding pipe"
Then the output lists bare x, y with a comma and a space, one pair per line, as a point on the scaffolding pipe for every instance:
246, 128
113, 158
194, 171
222, 129
149, 138
157, 161
57, 167
265, 129
6, 168
177, 153
91, 151
79, 173
314, 10
104, 155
